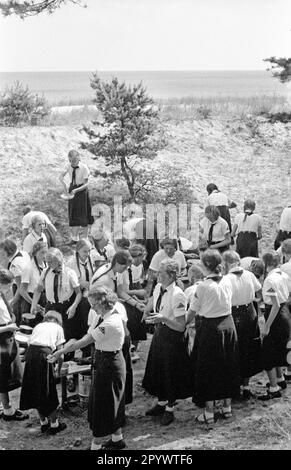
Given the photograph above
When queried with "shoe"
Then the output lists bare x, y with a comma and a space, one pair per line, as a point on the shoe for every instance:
60, 428
226, 414
246, 394
17, 416
156, 410
167, 418
110, 445
282, 385
269, 395
44, 427
287, 378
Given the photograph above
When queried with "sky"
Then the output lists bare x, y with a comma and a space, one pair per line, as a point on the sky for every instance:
149, 35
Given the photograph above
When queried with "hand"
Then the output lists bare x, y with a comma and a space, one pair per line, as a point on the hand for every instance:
155, 318
73, 191
84, 284
52, 358
71, 312
140, 307
34, 310
265, 331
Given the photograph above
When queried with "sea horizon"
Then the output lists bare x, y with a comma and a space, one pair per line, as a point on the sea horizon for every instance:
74, 86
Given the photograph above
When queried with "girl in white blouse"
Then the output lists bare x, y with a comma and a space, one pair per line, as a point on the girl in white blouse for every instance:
36, 235
216, 367
277, 329
106, 411
31, 277
214, 230
245, 285
248, 227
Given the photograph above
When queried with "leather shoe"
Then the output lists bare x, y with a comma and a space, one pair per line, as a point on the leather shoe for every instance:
167, 418
156, 410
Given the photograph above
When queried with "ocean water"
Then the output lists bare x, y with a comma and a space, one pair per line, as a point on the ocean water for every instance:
74, 86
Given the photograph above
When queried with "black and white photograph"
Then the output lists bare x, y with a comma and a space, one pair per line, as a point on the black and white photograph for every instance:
145, 227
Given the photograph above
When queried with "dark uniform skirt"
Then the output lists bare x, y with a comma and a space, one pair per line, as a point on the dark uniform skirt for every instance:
217, 366
274, 344
39, 385
281, 236
80, 209
167, 375
10, 365
128, 393
222, 249
249, 341
135, 325
79, 326
247, 244
225, 214
69, 325
106, 410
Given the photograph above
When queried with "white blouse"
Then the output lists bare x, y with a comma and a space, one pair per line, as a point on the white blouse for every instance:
47, 334
212, 299
276, 285
252, 223
220, 229
244, 286
173, 303
109, 335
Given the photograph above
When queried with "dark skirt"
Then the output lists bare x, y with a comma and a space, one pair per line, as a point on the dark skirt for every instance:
80, 214
281, 236
137, 328
217, 366
51, 236
106, 410
222, 249
128, 393
167, 374
68, 325
225, 214
274, 344
17, 306
247, 244
79, 323
10, 365
249, 341
39, 385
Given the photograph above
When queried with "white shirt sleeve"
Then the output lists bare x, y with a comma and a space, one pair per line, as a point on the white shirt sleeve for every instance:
179, 304
196, 299
60, 337
86, 172
155, 262
256, 283
26, 275
27, 245
74, 281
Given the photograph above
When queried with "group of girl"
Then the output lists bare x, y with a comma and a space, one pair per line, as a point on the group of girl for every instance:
206, 340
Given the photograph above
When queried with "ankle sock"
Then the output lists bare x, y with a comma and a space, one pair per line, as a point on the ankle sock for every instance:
55, 424
274, 389
9, 411
226, 409
43, 423
170, 409
162, 403
95, 446
116, 437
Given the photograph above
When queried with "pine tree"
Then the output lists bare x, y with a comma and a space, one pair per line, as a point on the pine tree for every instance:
25, 8
281, 68
128, 131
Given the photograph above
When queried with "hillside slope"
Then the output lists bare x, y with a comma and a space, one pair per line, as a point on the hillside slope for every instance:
249, 158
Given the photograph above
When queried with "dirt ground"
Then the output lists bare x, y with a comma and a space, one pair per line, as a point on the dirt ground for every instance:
255, 425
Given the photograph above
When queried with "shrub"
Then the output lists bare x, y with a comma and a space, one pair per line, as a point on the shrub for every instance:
18, 106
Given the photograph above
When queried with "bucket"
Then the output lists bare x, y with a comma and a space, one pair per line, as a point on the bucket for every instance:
84, 381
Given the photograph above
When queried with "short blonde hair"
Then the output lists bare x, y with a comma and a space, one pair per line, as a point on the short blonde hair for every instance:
171, 267
195, 273
53, 316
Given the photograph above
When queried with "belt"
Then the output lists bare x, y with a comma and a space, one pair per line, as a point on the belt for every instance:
107, 352
59, 303
242, 305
